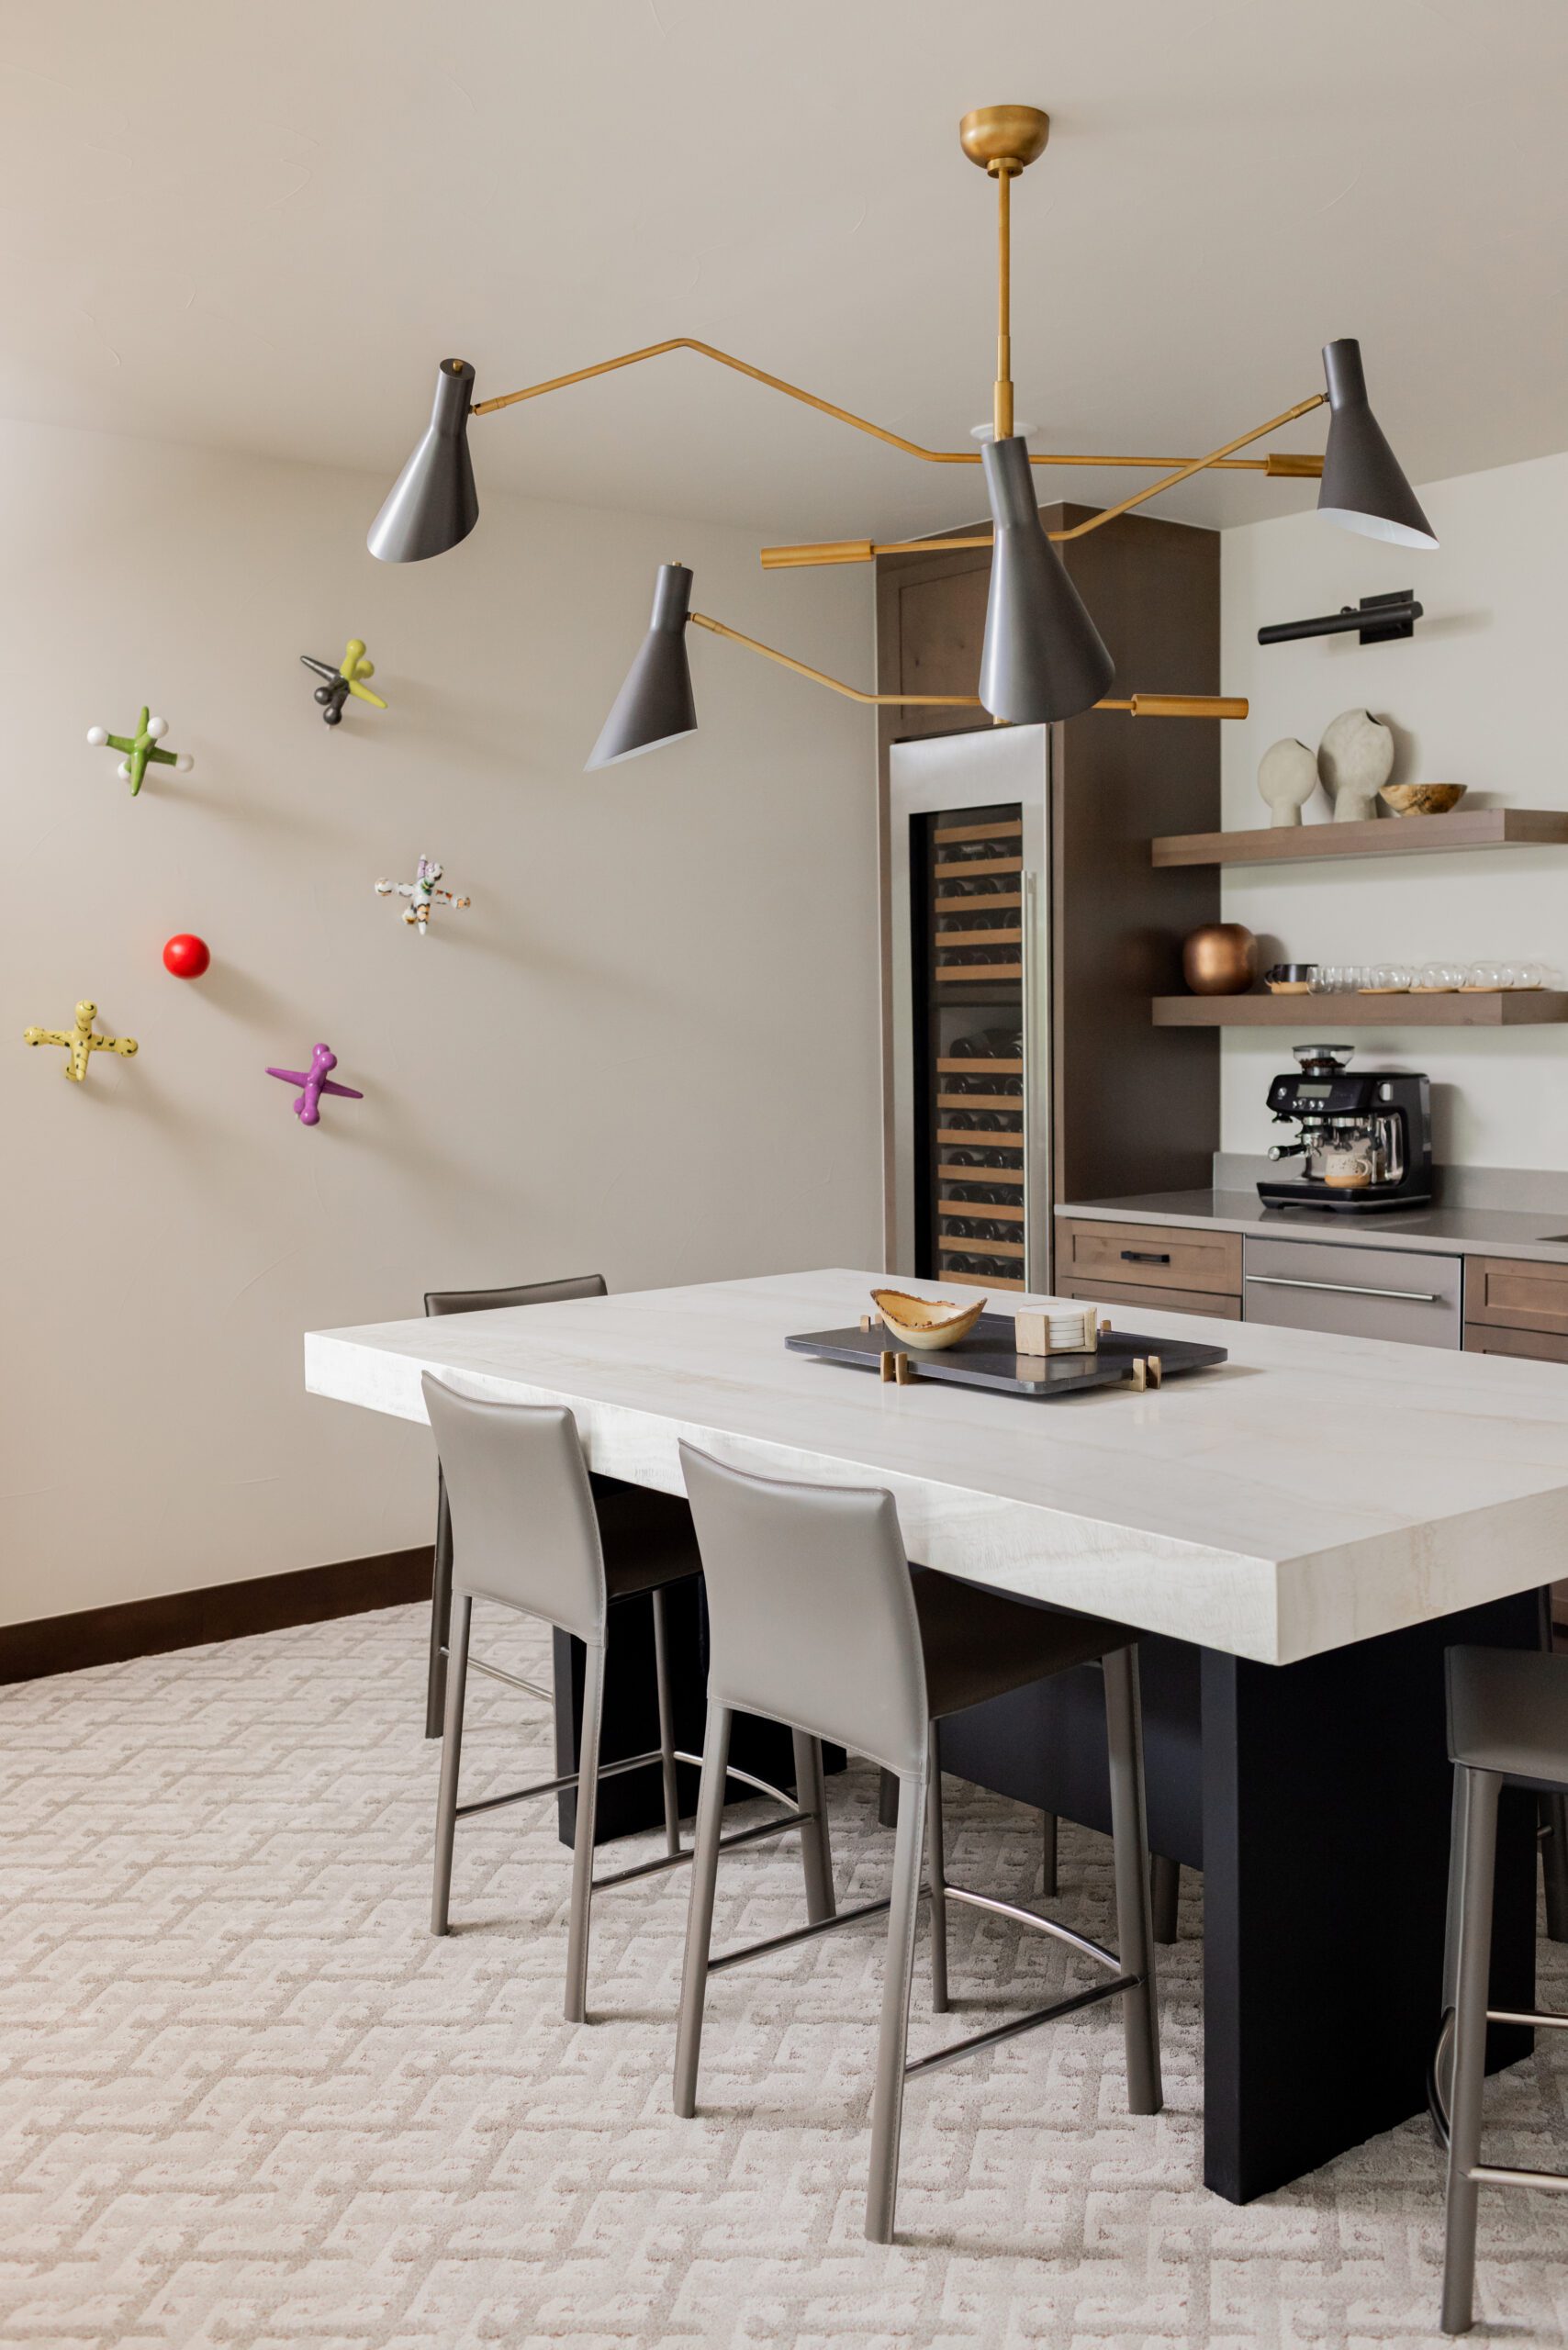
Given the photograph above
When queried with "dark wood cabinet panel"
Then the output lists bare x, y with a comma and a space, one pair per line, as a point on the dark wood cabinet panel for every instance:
1512, 1293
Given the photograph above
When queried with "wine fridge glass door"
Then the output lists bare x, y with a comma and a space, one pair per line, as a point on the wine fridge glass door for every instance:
968, 963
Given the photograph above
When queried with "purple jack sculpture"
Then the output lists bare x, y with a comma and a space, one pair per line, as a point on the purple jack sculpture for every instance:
316, 1081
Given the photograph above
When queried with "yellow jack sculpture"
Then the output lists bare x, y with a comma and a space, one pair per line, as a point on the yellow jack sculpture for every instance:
80, 1042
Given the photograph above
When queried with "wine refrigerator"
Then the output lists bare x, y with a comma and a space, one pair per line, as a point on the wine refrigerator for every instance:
971, 1031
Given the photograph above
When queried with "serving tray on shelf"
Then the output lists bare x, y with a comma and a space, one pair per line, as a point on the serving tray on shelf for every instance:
988, 1357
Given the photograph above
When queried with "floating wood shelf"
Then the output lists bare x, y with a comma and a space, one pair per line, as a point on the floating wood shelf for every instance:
1324, 1015
1385, 836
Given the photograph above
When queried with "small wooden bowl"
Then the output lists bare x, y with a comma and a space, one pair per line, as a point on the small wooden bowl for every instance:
1423, 798
925, 1322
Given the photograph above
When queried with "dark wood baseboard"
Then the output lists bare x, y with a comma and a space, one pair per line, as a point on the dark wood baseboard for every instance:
224, 1611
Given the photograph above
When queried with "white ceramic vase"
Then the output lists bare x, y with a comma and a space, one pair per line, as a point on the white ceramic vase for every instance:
1287, 777
1355, 760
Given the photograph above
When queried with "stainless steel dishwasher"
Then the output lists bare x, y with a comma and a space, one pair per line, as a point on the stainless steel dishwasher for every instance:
1361, 1293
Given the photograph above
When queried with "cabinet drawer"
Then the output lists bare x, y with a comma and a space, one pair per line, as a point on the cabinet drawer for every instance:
1151, 1255
1537, 1346
1163, 1301
1361, 1292
1515, 1295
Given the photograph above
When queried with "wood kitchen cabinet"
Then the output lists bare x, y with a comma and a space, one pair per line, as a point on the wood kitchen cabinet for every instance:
1174, 1267
1515, 1307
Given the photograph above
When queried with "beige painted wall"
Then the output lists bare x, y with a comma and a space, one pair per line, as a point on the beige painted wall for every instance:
1475, 697
650, 1048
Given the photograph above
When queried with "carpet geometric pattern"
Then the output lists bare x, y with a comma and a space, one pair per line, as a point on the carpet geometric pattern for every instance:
248, 2102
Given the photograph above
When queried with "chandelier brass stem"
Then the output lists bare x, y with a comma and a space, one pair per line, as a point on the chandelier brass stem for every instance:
1135, 705
1002, 391
1305, 465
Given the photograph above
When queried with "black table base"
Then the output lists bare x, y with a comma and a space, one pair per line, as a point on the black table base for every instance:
1315, 1798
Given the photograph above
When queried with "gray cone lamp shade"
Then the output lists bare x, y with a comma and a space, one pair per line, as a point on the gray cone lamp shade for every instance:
1363, 485
1043, 656
656, 703
433, 504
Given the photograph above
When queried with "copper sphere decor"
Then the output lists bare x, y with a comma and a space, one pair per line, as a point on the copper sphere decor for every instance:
1220, 959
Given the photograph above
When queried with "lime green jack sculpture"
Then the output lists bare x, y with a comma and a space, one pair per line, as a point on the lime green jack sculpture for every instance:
141, 749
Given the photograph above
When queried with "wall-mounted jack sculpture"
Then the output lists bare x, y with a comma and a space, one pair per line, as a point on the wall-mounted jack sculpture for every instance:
80, 1042
345, 679
314, 1082
422, 894
142, 750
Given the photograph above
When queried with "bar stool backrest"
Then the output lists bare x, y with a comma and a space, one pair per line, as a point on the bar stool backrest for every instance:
812, 1615
522, 1513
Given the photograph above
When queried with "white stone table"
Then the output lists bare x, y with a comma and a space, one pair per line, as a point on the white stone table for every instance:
1318, 1517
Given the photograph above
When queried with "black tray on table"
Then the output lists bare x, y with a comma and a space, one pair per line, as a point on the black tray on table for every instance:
988, 1355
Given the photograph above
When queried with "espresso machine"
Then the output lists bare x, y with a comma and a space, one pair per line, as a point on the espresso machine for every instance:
1364, 1141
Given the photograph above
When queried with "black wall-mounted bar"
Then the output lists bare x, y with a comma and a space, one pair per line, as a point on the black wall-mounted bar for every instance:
1377, 620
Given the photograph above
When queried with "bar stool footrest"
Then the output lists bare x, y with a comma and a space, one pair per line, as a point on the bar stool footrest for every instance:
726, 1844
1017, 2024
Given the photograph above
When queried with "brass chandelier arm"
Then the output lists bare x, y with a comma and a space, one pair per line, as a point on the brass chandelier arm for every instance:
1194, 466
842, 415
825, 551
1135, 705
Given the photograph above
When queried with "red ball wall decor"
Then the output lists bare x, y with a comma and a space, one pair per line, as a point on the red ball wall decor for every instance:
187, 955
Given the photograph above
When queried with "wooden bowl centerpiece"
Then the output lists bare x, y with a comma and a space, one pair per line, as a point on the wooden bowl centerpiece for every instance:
927, 1323
1423, 798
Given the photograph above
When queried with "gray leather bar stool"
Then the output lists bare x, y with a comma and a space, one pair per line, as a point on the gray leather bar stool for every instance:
477, 1301
816, 1620
1507, 1727
529, 1537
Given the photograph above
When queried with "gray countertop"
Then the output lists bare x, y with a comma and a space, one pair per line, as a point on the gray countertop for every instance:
1456, 1231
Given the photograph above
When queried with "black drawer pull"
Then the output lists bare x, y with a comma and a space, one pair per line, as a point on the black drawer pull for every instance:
1145, 1256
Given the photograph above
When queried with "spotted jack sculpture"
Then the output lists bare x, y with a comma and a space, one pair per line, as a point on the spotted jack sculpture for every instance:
421, 893
80, 1042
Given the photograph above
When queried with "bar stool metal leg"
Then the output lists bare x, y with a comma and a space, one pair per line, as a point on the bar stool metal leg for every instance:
451, 1755
1050, 1888
816, 1852
441, 1614
1164, 1896
893, 2038
1129, 1831
666, 1727
1478, 1847
935, 1868
582, 1841
700, 1915
1554, 1865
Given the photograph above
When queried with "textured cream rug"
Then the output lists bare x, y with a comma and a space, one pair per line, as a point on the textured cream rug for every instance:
247, 2100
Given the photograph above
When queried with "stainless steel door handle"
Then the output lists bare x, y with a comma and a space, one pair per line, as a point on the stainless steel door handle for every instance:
1344, 1289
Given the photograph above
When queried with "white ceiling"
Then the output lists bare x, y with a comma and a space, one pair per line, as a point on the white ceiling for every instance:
261, 227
